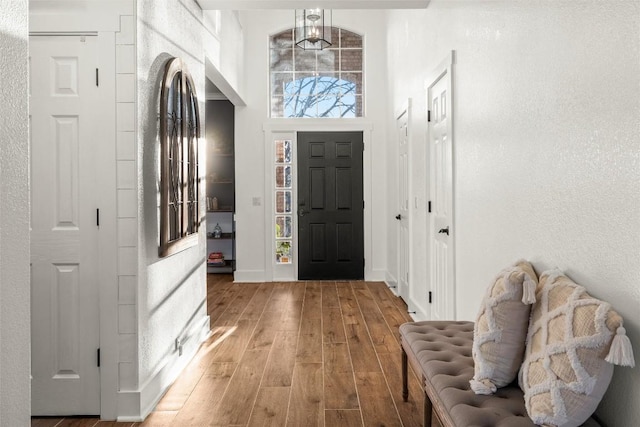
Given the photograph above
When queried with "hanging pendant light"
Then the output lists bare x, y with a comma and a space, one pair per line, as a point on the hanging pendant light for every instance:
313, 29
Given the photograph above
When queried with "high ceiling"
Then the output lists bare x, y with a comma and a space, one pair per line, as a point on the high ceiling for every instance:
326, 4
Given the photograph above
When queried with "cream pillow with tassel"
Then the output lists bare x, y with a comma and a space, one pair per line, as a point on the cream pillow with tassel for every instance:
572, 344
501, 328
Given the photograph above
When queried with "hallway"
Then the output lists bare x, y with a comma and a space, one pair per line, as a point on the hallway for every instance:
294, 353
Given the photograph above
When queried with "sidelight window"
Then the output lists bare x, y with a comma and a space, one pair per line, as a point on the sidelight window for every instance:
283, 215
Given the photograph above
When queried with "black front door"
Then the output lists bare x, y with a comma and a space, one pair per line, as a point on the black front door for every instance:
330, 206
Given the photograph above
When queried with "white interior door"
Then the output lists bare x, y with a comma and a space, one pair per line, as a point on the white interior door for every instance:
442, 229
64, 231
402, 126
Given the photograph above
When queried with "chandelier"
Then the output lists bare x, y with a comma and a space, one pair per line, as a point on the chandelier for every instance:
313, 29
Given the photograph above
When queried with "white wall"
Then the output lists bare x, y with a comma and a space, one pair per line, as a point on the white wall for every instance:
547, 146
250, 149
171, 291
15, 353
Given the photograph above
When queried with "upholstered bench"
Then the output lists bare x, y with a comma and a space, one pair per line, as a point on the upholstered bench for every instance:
440, 352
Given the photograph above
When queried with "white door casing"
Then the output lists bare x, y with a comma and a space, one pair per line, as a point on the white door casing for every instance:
441, 219
403, 216
64, 233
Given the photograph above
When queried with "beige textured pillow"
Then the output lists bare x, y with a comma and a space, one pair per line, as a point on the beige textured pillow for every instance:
565, 374
501, 328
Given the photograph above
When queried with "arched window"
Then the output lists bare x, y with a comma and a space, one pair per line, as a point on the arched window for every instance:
317, 83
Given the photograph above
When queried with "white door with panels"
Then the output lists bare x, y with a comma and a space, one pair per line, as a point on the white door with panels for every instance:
404, 257
441, 224
64, 226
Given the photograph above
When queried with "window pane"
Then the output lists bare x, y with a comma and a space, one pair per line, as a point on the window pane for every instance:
329, 106
283, 151
279, 81
328, 60
282, 40
283, 201
305, 60
351, 60
277, 106
283, 226
304, 84
281, 59
300, 106
328, 84
283, 252
283, 176
356, 79
349, 39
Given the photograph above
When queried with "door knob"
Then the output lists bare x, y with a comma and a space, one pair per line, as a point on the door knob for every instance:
444, 230
398, 217
302, 212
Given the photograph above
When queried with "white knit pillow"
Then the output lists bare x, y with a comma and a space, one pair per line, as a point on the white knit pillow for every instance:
501, 328
570, 342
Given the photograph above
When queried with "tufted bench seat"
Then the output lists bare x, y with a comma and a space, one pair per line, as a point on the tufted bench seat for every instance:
440, 352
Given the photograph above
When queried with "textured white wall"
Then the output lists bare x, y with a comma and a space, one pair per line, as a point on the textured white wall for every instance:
15, 353
250, 150
547, 145
171, 291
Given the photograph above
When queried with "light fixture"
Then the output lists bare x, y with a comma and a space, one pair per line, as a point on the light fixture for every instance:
313, 29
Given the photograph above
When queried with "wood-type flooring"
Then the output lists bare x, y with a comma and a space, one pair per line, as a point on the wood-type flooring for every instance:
290, 354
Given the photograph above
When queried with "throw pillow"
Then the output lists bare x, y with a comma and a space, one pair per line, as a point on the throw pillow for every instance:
572, 338
501, 328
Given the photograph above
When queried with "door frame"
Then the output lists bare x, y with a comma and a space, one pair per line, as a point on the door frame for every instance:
102, 21
445, 68
405, 110
287, 129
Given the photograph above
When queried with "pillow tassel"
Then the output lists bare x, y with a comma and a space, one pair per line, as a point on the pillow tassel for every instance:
528, 291
621, 352
482, 387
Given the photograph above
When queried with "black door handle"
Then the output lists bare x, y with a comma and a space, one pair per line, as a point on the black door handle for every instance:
444, 230
398, 217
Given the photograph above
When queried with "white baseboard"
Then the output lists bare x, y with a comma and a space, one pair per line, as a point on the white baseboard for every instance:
391, 283
375, 275
135, 406
249, 276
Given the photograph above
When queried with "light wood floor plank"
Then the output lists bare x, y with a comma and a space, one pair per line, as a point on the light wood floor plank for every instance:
279, 370
410, 411
376, 403
234, 408
270, 409
339, 386
343, 418
310, 341
382, 337
159, 419
198, 410
332, 326
305, 406
330, 295
393, 308
232, 347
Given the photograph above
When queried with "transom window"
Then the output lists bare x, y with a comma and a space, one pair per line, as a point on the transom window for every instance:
317, 83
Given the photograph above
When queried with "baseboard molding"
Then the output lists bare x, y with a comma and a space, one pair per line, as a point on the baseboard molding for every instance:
249, 276
391, 283
135, 406
375, 276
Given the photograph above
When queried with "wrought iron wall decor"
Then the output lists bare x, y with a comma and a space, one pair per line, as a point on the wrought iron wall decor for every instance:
179, 182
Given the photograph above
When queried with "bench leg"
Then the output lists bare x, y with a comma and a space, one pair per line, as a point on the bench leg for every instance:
428, 409
405, 386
